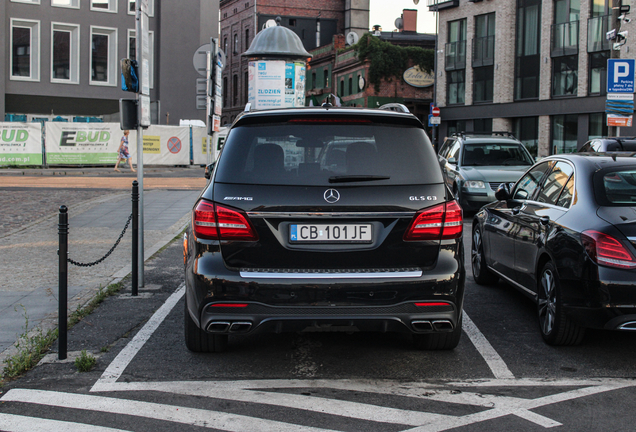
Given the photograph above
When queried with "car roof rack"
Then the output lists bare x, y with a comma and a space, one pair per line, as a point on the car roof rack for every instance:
398, 107
492, 133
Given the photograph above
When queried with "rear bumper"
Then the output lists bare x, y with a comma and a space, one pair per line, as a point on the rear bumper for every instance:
377, 301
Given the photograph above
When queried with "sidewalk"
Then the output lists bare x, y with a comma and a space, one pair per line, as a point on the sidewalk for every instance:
28, 252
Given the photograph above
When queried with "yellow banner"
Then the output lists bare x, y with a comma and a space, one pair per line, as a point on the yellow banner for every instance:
152, 144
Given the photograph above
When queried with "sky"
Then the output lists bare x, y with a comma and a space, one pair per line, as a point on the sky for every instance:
384, 12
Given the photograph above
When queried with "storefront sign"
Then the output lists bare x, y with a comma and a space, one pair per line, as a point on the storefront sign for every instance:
20, 143
418, 78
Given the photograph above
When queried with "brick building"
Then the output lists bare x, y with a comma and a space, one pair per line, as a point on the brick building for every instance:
536, 68
315, 23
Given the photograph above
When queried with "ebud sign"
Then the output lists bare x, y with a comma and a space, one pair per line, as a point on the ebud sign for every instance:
620, 75
20, 144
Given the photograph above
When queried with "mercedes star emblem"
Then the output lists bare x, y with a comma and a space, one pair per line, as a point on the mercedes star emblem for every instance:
332, 196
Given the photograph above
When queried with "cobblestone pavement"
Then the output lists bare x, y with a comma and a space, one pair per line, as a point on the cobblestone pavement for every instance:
21, 207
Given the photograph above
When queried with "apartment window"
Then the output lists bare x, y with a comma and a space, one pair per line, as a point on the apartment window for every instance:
483, 84
247, 39
482, 125
342, 88
225, 45
132, 5
526, 129
456, 46
598, 73
236, 48
132, 53
104, 5
25, 50
565, 75
350, 85
565, 31
484, 41
455, 126
527, 58
74, 4
358, 83
103, 56
313, 80
564, 133
456, 86
235, 101
325, 77
224, 92
65, 53
597, 126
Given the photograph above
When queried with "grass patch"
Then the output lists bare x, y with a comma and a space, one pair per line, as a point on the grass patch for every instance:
81, 312
31, 349
85, 362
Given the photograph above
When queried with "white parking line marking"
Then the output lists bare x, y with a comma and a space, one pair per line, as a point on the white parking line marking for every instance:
176, 414
123, 359
493, 360
18, 423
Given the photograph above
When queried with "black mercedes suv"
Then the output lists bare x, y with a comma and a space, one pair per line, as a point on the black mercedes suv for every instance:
325, 218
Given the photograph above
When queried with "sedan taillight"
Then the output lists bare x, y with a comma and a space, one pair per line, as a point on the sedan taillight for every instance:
606, 250
443, 221
217, 222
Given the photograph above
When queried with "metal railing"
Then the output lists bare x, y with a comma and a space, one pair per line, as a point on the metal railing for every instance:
596, 30
483, 51
455, 55
565, 39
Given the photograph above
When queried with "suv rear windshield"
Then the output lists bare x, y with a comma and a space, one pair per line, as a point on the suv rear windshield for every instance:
616, 187
495, 154
326, 153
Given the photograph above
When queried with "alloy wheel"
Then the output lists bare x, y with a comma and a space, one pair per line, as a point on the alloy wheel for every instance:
547, 302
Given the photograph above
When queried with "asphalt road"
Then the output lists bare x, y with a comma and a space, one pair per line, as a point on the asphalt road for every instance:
501, 377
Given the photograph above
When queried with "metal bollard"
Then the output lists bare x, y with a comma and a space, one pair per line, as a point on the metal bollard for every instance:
135, 238
63, 283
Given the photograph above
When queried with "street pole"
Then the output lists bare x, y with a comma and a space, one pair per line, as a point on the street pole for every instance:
435, 138
615, 54
140, 147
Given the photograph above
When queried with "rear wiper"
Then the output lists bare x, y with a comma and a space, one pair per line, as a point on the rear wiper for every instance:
356, 178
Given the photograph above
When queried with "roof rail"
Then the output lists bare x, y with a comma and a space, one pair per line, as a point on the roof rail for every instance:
492, 133
395, 107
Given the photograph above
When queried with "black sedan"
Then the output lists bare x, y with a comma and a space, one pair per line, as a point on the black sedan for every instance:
565, 236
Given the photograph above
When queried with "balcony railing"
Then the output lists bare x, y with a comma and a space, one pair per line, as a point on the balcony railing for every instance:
596, 30
455, 55
483, 51
565, 39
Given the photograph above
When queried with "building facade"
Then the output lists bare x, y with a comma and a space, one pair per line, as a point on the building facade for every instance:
315, 23
61, 58
534, 67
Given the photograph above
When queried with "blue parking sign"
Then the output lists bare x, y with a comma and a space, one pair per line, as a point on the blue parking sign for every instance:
620, 75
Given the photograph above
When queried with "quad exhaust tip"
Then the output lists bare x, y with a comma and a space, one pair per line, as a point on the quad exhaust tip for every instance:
437, 325
229, 327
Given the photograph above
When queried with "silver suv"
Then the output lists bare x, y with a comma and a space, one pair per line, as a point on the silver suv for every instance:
475, 164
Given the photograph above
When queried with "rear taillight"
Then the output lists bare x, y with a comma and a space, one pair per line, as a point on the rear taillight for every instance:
606, 250
217, 222
443, 222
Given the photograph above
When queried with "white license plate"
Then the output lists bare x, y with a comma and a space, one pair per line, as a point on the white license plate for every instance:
332, 233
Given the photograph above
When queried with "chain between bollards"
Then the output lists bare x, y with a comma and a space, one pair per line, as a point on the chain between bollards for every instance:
63, 282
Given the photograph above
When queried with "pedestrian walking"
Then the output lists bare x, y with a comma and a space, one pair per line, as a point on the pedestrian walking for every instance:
123, 152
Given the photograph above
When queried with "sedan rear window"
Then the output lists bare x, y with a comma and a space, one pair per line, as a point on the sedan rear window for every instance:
326, 153
619, 187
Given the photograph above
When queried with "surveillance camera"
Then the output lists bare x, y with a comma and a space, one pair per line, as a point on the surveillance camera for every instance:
623, 17
627, 20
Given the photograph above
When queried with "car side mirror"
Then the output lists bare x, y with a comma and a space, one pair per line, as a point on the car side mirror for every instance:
452, 161
208, 170
503, 192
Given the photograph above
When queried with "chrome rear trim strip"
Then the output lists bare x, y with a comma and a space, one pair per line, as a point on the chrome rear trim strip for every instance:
330, 214
331, 275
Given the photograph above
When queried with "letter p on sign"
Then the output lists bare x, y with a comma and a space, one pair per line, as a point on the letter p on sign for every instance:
621, 70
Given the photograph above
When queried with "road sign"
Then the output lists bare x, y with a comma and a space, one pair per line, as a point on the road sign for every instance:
620, 75
619, 120
144, 103
433, 121
435, 112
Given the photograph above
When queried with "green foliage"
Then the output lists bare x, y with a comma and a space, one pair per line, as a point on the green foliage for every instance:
31, 349
388, 61
85, 362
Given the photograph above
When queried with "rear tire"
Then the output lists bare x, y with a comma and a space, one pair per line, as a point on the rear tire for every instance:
481, 274
198, 340
556, 328
439, 341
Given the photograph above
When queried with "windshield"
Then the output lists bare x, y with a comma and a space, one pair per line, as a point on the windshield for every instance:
327, 153
495, 154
